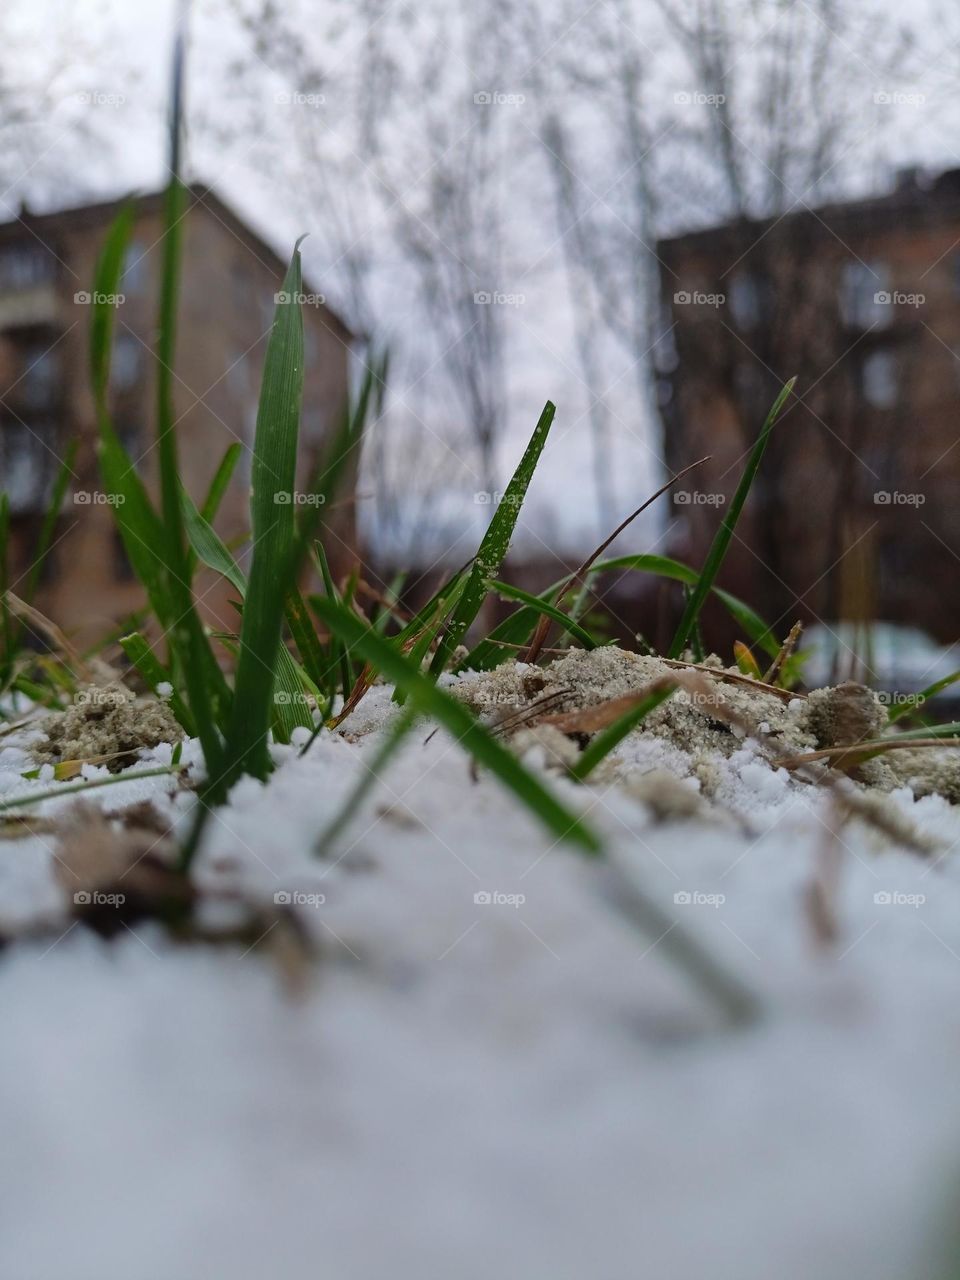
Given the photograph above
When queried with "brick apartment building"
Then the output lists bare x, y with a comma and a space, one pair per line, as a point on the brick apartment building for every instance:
229, 279
855, 512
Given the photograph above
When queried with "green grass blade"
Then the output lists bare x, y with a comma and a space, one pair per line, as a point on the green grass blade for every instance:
426, 697
207, 545
305, 638
951, 730
140, 527
721, 541
290, 708
337, 659
931, 691
71, 788
220, 482
544, 607
611, 737
103, 317
495, 543
275, 538
194, 656
215, 494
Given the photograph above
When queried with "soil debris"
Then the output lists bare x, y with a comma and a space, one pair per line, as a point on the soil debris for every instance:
106, 722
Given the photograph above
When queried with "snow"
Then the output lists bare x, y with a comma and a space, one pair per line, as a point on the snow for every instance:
523, 1086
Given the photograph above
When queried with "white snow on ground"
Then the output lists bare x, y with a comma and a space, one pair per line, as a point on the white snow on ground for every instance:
519, 1088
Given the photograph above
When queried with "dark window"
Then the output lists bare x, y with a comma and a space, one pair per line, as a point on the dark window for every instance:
880, 382
745, 300
127, 367
134, 278
37, 387
26, 466
865, 295
24, 266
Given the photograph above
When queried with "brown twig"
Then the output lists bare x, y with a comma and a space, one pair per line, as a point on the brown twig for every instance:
786, 695
786, 652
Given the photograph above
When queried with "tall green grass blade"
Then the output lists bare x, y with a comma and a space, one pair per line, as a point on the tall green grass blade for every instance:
195, 658
290, 707
721, 541
425, 696
139, 525
275, 541
495, 543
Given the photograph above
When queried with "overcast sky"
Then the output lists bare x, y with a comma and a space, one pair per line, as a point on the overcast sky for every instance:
109, 60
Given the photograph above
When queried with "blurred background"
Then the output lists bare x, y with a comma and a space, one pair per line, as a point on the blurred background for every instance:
652, 212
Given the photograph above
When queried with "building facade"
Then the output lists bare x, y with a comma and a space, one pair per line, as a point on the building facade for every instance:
228, 282
854, 514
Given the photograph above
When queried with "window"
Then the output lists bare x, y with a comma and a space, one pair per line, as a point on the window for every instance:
25, 266
879, 376
37, 387
129, 435
865, 299
745, 300
133, 281
25, 467
127, 362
